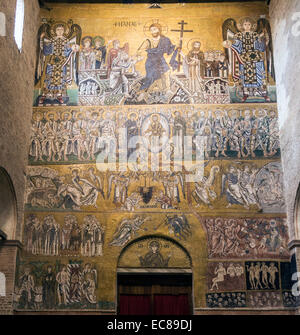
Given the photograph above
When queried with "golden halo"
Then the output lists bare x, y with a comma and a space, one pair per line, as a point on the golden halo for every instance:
247, 110
220, 111
199, 110
100, 38
104, 114
176, 111
62, 114
80, 113
133, 113
96, 112
246, 18
59, 23
191, 41
90, 38
34, 116
56, 116
164, 27
156, 242
155, 114
230, 112
256, 113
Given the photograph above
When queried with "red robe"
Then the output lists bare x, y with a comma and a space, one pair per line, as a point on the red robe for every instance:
113, 53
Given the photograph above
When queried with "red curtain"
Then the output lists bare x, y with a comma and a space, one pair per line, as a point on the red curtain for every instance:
135, 304
165, 304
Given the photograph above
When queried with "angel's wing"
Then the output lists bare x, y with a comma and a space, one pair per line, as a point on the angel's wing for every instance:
40, 57
118, 231
94, 271
263, 27
224, 178
110, 182
100, 185
181, 181
74, 37
229, 29
76, 31
199, 173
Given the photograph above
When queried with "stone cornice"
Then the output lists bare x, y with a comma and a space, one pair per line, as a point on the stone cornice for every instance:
11, 243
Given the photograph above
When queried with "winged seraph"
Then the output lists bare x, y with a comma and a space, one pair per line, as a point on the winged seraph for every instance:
250, 55
40, 57
75, 32
127, 229
262, 27
229, 29
46, 35
180, 178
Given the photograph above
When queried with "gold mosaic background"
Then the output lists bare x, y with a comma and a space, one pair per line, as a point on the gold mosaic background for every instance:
82, 218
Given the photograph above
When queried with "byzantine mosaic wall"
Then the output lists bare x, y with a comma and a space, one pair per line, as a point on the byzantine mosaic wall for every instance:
126, 100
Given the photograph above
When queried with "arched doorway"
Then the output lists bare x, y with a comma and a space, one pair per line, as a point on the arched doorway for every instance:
8, 206
154, 278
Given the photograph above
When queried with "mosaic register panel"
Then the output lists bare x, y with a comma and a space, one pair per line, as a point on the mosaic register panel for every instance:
155, 59
154, 144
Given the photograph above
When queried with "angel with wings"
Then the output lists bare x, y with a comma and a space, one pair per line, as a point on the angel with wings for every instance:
127, 229
203, 192
249, 49
172, 183
120, 183
57, 60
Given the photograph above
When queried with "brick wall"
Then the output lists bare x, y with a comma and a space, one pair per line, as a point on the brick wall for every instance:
16, 87
8, 255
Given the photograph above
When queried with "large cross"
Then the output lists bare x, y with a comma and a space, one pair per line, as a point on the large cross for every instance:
181, 31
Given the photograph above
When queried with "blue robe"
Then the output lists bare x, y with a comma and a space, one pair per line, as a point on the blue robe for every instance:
249, 50
58, 53
156, 64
